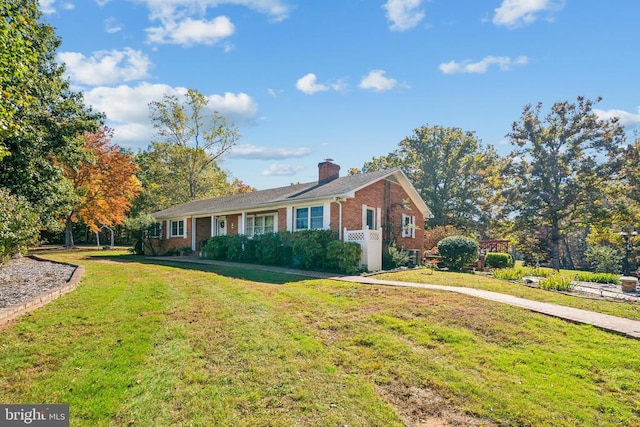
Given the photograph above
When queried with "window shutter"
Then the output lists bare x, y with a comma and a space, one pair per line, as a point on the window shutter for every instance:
413, 227
364, 217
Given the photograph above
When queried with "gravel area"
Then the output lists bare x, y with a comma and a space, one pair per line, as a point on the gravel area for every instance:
24, 278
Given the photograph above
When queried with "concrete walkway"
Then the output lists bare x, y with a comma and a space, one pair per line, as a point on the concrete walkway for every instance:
620, 325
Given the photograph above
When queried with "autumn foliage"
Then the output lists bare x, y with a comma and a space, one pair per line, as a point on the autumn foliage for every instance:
106, 184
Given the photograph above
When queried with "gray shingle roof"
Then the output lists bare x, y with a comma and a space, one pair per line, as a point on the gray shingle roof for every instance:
339, 187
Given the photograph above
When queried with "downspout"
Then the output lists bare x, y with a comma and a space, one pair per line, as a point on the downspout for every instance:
339, 200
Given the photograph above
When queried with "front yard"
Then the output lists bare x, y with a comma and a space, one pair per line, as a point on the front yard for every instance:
144, 344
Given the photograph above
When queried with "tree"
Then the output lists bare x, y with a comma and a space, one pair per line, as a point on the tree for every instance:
41, 119
452, 172
164, 179
561, 168
192, 139
105, 185
18, 225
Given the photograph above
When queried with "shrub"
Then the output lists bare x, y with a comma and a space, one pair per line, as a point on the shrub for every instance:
309, 248
585, 276
457, 251
394, 257
603, 259
236, 244
556, 283
343, 257
498, 260
517, 273
270, 249
19, 225
216, 248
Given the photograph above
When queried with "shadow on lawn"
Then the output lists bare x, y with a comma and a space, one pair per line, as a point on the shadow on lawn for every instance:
250, 272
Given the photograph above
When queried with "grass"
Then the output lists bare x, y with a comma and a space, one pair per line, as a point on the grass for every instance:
144, 344
478, 281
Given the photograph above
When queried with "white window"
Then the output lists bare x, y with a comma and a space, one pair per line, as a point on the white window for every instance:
177, 228
309, 218
260, 224
155, 230
408, 226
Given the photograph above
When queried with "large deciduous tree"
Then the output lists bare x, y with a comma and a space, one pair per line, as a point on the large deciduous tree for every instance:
452, 171
41, 119
193, 138
105, 183
561, 168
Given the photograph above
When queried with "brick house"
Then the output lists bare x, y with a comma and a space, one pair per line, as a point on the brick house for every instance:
373, 209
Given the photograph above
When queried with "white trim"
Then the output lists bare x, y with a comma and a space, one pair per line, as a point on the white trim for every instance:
193, 233
184, 228
326, 216
290, 218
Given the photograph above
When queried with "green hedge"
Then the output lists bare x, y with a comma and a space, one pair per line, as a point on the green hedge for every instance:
308, 249
458, 251
498, 260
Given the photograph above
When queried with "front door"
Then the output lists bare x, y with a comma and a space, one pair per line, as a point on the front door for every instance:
222, 225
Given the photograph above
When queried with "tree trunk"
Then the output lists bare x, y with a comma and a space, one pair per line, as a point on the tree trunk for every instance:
555, 246
68, 232
569, 259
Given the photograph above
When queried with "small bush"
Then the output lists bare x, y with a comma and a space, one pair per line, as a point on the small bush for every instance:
585, 276
498, 260
556, 283
343, 257
457, 251
517, 273
603, 259
394, 257
185, 250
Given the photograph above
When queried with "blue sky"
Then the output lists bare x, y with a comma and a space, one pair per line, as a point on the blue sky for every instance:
346, 79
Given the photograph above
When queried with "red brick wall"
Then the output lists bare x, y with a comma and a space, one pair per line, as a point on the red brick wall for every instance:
373, 196
164, 244
282, 219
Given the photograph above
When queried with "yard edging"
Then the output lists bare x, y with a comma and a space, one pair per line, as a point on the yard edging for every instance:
9, 314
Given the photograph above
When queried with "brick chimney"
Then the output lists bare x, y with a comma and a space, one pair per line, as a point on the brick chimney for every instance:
327, 171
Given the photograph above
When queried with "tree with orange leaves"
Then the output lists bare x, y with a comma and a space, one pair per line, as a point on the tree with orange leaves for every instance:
105, 184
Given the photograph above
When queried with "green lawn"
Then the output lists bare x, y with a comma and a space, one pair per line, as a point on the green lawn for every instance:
478, 281
162, 345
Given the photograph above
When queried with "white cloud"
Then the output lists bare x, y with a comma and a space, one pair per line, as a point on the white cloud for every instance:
403, 14
377, 81
182, 22
626, 118
127, 108
191, 31
308, 84
249, 151
278, 169
236, 108
517, 13
106, 67
68, 6
101, 3
505, 63
112, 25
46, 6
277, 10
